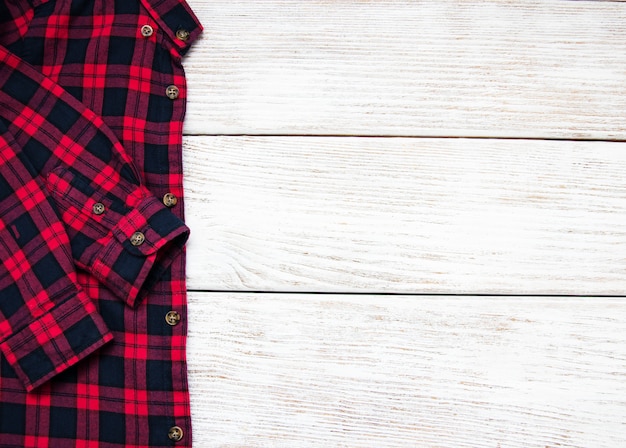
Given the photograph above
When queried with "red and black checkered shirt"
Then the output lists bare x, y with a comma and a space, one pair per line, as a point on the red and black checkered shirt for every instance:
92, 280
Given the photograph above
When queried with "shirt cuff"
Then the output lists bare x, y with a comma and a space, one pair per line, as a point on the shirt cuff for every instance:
142, 246
55, 340
125, 238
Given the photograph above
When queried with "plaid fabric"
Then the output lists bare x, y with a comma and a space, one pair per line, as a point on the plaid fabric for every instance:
92, 281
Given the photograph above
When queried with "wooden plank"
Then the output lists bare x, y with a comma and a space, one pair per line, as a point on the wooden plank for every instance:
365, 371
306, 214
522, 68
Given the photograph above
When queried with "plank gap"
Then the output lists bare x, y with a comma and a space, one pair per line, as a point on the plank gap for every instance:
402, 294
417, 136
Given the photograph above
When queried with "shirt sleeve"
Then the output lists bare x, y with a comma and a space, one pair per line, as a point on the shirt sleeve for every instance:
70, 198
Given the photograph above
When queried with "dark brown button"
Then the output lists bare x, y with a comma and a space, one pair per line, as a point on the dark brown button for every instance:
172, 318
98, 208
170, 200
147, 31
137, 239
182, 35
175, 433
172, 92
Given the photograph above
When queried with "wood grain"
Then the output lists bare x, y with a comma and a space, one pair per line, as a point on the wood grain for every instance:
406, 215
523, 68
371, 371
280, 197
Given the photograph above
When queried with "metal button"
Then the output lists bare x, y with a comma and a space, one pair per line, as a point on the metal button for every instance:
170, 200
98, 208
172, 318
175, 433
182, 35
172, 92
146, 31
137, 239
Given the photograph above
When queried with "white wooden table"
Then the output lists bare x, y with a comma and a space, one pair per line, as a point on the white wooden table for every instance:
408, 223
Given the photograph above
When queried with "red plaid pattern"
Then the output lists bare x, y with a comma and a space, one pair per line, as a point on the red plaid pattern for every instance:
92, 260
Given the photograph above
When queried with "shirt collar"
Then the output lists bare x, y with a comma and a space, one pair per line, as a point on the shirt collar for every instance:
177, 20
